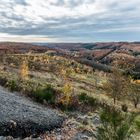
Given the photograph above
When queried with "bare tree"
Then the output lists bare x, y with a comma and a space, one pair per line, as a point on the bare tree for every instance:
115, 85
134, 92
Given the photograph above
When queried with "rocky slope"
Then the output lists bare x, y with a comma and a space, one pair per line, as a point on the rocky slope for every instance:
20, 117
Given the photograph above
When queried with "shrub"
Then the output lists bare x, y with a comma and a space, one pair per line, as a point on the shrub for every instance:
12, 85
124, 107
137, 123
85, 99
3, 81
74, 102
115, 125
47, 94
28, 87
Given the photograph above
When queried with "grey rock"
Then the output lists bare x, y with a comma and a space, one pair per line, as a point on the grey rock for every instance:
59, 137
6, 138
80, 136
2, 138
21, 117
85, 135
96, 120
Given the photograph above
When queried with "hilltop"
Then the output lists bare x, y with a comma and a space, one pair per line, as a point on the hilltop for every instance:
77, 83
101, 56
12, 47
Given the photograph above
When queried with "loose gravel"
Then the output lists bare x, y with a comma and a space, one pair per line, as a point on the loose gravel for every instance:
21, 117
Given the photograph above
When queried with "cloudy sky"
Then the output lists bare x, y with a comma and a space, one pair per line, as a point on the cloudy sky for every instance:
69, 20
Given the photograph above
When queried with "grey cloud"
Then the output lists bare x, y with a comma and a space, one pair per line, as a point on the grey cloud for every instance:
70, 3
22, 2
87, 27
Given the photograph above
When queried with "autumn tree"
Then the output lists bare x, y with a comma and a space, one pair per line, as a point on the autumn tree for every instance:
67, 92
115, 85
24, 70
133, 90
67, 89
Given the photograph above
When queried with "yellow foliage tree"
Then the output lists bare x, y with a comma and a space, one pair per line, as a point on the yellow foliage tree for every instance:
24, 70
67, 91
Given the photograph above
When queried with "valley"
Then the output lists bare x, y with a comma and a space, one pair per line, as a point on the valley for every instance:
74, 80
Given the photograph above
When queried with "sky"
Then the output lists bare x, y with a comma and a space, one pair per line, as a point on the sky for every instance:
69, 20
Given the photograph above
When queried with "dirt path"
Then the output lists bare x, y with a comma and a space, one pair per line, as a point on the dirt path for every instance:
20, 117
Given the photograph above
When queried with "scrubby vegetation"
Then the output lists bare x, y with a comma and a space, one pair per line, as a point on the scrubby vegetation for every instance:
47, 93
87, 100
63, 83
115, 125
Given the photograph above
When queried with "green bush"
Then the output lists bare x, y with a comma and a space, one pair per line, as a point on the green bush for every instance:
12, 85
137, 123
47, 94
3, 81
115, 125
88, 100
28, 87
124, 108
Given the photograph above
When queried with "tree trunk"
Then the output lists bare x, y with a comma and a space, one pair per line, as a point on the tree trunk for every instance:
114, 101
135, 104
